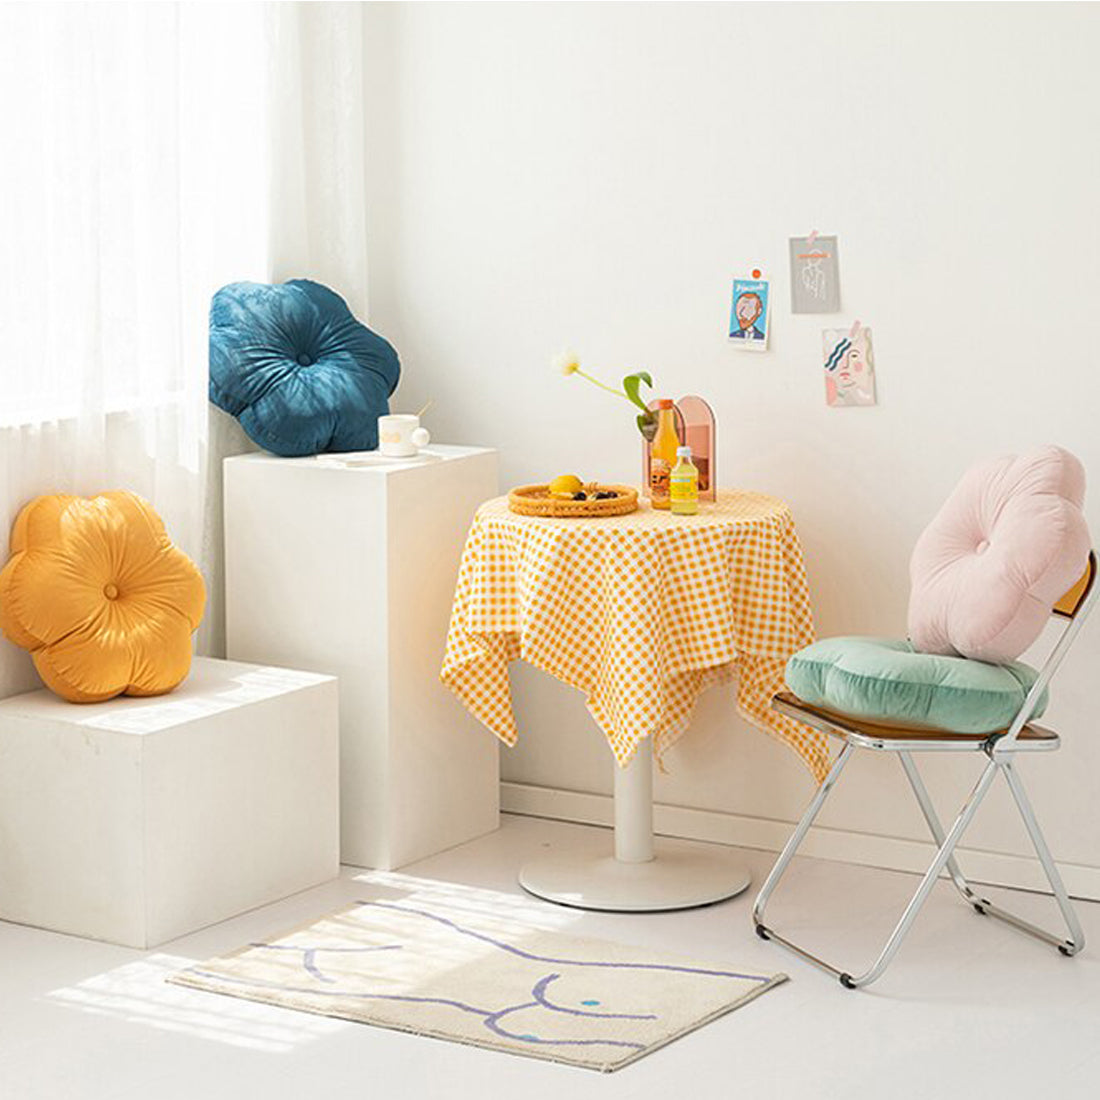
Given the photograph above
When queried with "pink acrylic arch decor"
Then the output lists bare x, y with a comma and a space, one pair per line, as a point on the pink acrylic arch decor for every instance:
697, 429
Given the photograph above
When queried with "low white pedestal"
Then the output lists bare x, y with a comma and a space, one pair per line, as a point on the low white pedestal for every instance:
347, 564
140, 820
644, 875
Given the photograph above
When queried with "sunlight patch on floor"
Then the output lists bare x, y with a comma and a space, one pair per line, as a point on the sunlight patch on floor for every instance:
138, 993
509, 910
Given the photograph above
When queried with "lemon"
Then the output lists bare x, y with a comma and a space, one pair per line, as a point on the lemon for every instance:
565, 486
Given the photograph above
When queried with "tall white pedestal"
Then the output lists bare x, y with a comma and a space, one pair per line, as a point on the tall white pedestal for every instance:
347, 565
140, 820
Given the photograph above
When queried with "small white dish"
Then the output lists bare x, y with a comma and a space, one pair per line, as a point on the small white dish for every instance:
358, 459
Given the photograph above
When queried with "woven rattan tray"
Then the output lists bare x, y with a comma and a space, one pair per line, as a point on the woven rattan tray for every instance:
535, 500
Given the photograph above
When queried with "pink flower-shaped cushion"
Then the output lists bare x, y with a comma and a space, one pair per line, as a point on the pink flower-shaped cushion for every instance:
1008, 543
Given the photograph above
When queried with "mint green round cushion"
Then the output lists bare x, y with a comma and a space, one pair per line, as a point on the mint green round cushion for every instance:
886, 680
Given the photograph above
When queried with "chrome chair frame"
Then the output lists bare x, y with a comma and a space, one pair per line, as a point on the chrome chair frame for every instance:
1000, 748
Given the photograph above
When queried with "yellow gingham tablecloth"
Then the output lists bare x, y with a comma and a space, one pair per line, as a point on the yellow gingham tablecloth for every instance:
640, 612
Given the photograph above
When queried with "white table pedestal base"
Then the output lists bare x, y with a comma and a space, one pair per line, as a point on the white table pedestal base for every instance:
644, 875
681, 875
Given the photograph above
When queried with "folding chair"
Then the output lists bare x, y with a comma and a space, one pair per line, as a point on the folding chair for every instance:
1001, 747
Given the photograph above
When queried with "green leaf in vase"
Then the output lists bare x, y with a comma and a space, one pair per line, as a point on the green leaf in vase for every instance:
630, 387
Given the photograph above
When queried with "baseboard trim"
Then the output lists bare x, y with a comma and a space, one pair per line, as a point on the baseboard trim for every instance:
893, 853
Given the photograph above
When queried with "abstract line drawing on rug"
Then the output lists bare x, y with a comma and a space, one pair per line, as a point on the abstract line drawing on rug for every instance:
309, 954
513, 950
480, 977
491, 1016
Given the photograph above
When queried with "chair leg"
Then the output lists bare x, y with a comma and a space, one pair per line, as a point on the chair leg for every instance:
983, 905
936, 829
943, 855
1077, 935
792, 845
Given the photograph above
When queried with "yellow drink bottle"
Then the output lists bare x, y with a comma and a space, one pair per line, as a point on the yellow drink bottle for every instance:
662, 454
684, 484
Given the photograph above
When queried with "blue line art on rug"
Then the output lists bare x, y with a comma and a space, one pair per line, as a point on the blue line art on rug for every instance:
309, 954
484, 977
565, 962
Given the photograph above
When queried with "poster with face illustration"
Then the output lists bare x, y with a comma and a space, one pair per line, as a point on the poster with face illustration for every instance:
815, 275
749, 314
849, 366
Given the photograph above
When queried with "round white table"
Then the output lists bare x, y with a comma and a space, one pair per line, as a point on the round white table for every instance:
642, 613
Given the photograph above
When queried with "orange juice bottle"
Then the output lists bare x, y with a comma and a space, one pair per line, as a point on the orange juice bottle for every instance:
662, 454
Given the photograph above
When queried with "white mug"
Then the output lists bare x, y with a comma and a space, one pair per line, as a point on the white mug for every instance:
401, 436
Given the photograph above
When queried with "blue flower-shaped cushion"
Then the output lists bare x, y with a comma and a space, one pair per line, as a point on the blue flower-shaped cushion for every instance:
298, 371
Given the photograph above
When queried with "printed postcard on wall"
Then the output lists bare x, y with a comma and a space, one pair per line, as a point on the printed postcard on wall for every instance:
749, 314
849, 366
815, 275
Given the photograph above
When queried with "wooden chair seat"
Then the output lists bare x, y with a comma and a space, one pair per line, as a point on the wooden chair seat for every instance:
1031, 736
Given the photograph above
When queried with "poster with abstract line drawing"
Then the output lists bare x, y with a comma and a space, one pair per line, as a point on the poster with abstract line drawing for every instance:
849, 358
749, 314
815, 275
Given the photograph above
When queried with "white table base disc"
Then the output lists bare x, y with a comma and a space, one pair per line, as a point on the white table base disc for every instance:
682, 875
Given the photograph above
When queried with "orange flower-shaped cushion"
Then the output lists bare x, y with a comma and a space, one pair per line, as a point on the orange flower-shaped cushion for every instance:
100, 597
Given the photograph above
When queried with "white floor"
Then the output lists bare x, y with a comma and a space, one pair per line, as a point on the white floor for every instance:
970, 1007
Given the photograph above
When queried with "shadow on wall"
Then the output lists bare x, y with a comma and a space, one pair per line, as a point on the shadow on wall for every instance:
226, 438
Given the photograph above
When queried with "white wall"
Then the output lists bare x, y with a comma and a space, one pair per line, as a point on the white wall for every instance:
555, 174
592, 175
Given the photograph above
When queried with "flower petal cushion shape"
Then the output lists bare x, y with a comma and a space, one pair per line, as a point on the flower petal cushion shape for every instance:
887, 681
1008, 543
97, 593
298, 371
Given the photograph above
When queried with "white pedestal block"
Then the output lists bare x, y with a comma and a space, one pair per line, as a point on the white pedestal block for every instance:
140, 820
347, 565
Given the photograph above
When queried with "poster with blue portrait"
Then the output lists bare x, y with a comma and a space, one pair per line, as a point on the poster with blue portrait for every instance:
749, 314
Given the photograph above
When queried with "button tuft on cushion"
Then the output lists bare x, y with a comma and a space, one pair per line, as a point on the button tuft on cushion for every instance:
110, 591
304, 360
982, 547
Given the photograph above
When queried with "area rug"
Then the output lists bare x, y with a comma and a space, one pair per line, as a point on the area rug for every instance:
491, 980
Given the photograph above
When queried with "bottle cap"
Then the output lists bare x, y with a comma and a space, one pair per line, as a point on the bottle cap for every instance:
665, 403
683, 452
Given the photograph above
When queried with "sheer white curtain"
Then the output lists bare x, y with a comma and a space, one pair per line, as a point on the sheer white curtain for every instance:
315, 195
318, 185
147, 154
